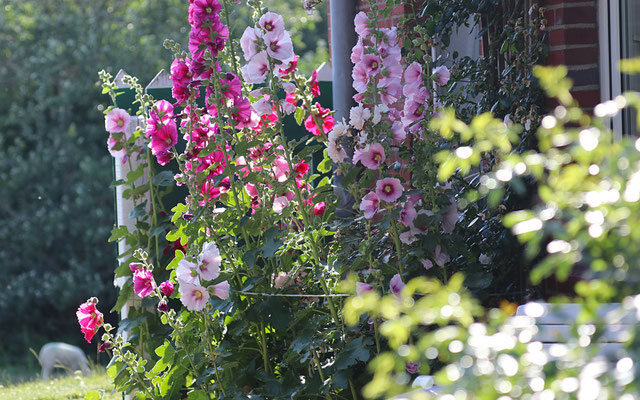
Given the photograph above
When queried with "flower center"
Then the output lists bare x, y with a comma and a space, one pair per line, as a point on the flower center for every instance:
268, 26
208, 10
197, 294
273, 46
120, 122
194, 273
374, 65
388, 189
377, 157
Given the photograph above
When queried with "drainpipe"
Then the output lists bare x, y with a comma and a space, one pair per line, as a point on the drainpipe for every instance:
343, 38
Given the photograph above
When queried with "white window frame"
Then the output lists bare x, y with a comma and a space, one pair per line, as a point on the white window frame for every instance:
609, 41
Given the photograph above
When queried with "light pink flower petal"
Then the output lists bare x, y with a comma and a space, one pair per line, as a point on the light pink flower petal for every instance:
369, 205
210, 261
117, 120
279, 45
389, 189
187, 272
441, 75
193, 297
279, 204
362, 288
221, 290
396, 285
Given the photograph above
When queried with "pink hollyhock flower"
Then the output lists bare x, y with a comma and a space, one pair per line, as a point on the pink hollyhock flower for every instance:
249, 42
263, 106
399, 134
143, 283
230, 86
163, 157
256, 70
221, 290
271, 23
371, 64
163, 137
281, 169
408, 214
166, 287
161, 112
413, 76
89, 318
324, 116
360, 77
389, 189
396, 285
426, 263
334, 149
117, 120
440, 257
291, 66
180, 72
360, 22
111, 144
357, 52
194, 297
408, 237
279, 204
251, 189
279, 45
187, 272
358, 116
441, 75
369, 204
318, 209
362, 288
210, 261
372, 156
412, 367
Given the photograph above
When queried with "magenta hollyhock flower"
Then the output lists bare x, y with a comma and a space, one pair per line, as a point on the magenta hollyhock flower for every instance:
396, 285
230, 86
200, 10
143, 283
362, 288
318, 209
161, 112
210, 261
89, 318
249, 42
164, 157
221, 290
324, 116
291, 66
251, 189
441, 75
117, 120
412, 367
279, 45
389, 189
315, 85
163, 306
256, 70
134, 266
360, 22
167, 288
271, 23
370, 204
279, 204
372, 156
163, 137
194, 297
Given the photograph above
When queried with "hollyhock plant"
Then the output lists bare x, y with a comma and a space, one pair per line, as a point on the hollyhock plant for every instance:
362, 288
279, 45
358, 116
89, 318
256, 70
187, 272
249, 42
361, 21
280, 203
143, 283
389, 189
117, 120
193, 297
271, 23
372, 156
370, 205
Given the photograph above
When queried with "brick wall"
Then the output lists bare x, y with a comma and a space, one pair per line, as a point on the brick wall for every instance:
573, 41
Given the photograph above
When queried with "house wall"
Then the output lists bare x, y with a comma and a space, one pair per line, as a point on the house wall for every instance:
572, 26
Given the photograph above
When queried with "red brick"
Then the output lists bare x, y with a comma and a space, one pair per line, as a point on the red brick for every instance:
573, 36
576, 15
587, 98
548, 3
550, 16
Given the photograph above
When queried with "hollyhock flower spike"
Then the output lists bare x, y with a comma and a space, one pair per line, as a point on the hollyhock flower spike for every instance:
117, 120
143, 283
323, 116
221, 290
194, 297
166, 288
369, 205
389, 189
396, 285
89, 318
441, 75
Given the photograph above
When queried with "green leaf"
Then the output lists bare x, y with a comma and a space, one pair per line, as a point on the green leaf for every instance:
118, 233
299, 115
138, 211
136, 174
270, 242
164, 178
198, 395
94, 395
325, 165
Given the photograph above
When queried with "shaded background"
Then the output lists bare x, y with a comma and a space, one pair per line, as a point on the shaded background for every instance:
56, 211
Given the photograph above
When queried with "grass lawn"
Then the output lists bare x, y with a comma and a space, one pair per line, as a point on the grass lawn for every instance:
63, 387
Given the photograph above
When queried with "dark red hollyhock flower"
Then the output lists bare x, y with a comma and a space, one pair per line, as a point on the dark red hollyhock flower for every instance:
315, 86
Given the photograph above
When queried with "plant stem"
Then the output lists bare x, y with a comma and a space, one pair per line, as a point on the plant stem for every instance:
265, 356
